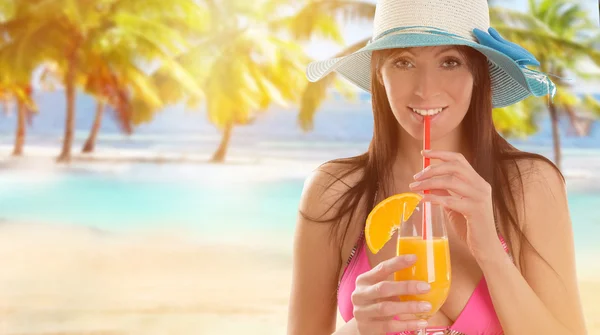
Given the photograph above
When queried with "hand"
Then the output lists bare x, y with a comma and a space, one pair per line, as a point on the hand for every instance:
377, 308
456, 186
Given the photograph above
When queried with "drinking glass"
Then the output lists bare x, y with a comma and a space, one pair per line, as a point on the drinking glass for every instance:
424, 234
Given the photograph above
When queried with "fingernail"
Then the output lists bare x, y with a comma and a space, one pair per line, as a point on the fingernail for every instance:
422, 324
410, 258
415, 184
424, 306
423, 286
418, 175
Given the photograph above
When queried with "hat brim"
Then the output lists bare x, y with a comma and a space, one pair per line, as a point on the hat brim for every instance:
511, 83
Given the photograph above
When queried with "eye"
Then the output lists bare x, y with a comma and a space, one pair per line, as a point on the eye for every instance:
451, 63
402, 63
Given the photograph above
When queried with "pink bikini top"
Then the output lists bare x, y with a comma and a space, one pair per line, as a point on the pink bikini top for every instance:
477, 318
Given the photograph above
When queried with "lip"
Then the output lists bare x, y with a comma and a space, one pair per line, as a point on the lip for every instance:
420, 118
426, 108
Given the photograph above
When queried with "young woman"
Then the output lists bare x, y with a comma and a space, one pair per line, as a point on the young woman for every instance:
511, 247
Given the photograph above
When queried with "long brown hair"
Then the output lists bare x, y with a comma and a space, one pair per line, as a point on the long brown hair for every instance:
493, 158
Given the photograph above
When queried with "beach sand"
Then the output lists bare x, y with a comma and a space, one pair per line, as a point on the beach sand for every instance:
75, 281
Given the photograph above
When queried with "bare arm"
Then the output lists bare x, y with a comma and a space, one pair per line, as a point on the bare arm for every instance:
313, 300
539, 301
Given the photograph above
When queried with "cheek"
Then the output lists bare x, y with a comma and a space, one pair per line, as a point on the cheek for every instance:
460, 89
398, 91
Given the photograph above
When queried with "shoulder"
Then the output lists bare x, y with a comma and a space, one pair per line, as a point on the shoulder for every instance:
536, 176
325, 187
541, 193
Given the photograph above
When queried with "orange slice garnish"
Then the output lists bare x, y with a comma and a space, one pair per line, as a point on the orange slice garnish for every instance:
386, 217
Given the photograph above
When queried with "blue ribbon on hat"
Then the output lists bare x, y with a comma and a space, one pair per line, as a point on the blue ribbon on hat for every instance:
492, 39
520, 55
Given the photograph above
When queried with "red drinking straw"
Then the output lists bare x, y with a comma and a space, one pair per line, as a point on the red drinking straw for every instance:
426, 146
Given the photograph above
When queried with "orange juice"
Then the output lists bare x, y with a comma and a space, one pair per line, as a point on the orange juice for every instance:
432, 266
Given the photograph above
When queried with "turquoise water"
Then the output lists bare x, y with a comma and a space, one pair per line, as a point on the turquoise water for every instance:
143, 198
124, 202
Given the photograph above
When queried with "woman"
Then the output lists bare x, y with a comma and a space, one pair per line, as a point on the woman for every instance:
512, 252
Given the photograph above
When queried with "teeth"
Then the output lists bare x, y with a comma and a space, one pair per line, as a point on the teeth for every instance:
424, 112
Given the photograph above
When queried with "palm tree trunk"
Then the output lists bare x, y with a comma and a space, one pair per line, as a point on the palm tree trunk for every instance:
580, 126
555, 135
20, 136
5, 107
65, 155
90, 144
219, 155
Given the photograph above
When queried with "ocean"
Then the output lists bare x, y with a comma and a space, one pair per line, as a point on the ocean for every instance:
139, 198
219, 200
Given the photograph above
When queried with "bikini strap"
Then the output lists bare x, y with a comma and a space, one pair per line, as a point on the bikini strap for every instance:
359, 242
352, 254
504, 245
501, 238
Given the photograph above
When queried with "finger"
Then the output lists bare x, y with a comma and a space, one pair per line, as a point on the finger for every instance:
467, 172
398, 317
384, 269
389, 308
456, 157
442, 169
440, 192
394, 326
387, 289
446, 182
446, 156
451, 202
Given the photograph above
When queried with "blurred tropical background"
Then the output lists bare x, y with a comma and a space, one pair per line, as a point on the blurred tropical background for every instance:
153, 153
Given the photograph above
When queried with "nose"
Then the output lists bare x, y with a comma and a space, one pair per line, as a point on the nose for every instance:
427, 84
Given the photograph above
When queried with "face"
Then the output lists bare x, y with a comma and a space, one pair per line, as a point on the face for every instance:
426, 80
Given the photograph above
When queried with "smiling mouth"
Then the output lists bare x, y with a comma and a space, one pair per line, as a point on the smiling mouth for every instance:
426, 112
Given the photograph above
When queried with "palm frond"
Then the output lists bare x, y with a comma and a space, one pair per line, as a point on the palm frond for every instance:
549, 45
518, 120
565, 97
134, 25
7, 10
322, 19
592, 104
315, 93
500, 16
313, 96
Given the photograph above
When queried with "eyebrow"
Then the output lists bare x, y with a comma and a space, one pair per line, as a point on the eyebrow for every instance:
407, 50
445, 49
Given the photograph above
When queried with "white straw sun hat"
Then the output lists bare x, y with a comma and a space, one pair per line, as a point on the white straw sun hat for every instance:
414, 23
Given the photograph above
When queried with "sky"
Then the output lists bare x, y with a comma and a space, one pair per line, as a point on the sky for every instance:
353, 33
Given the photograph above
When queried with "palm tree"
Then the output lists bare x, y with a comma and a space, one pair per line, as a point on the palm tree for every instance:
113, 81
25, 107
78, 33
248, 64
560, 34
118, 82
24, 114
15, 83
